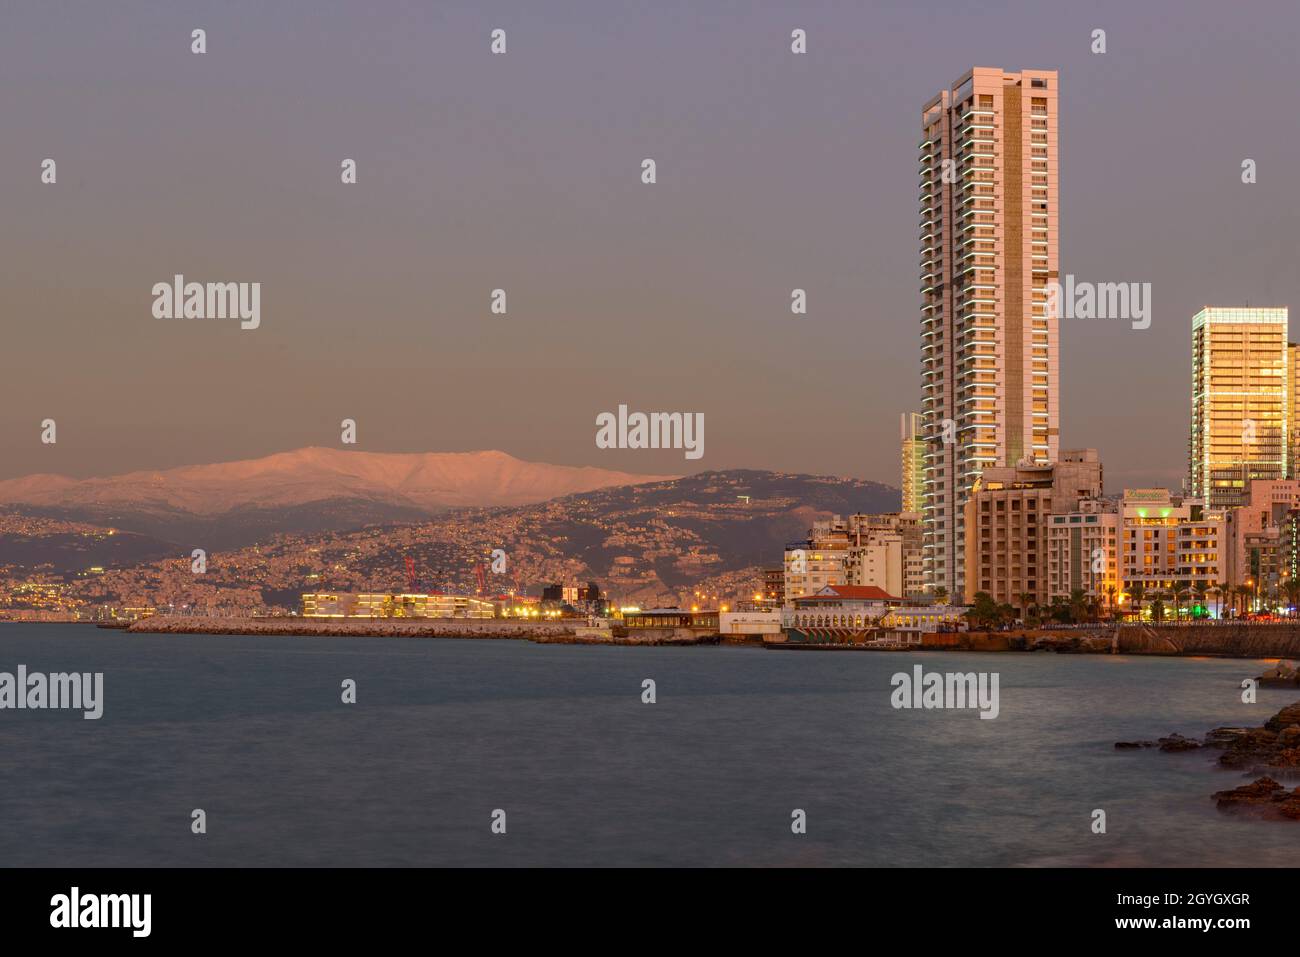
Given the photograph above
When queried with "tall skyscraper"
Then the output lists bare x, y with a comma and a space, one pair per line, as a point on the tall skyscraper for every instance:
911, 434
989, 213
1241, 402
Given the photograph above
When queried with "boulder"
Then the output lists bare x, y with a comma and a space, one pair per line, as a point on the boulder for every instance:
1281, 675
1288, 717
1264, 794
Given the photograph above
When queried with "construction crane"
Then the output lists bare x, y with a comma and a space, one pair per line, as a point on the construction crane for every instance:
410, 574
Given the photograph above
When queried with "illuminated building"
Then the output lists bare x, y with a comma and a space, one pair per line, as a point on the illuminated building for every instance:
988, 223
1083, 553
388, 605
1008, 522
1170, 543
1241, 403
913, 461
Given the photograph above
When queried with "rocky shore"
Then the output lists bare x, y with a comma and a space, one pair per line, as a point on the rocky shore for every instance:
1270, 750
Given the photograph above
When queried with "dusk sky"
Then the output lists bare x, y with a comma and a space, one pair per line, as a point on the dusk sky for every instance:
522, 171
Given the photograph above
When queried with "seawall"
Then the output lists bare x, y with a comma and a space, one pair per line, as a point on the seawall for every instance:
1226, 640
537, 631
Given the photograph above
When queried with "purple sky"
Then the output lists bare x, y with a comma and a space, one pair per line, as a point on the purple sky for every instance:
522, 171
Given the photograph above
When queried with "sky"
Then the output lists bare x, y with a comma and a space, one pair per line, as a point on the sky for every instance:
522, 171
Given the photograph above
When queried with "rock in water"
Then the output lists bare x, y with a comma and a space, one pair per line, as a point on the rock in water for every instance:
1281, 675
1286, 718
1263, 793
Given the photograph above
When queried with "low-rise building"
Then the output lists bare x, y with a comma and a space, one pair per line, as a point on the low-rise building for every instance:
752, 623
389, 605
705, 622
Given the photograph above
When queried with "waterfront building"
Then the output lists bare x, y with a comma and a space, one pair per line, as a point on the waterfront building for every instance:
704, 622
863, 549
886, 552
750, 622
774, 586
861, 614
389, 605
1008, 521
912, 437
1170, 544
1083, 553
1241, 402
989, 226
1260, 553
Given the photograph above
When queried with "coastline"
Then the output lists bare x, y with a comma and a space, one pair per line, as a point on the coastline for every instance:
1254, 641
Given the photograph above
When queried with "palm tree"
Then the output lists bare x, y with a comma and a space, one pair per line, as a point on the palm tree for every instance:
1182, 590
1199, 590
1243, 595
1078, 604
1223, 590
1110, 600
941, 595
1216, 591
1137, 592
1026, 599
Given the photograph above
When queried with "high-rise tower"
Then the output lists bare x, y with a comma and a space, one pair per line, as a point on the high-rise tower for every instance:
1241, 402
989, 213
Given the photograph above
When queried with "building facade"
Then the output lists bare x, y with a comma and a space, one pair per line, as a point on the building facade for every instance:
1083, 553
1260, 553
989, 228
885, 551
912, 437
1008, 521
389, 605
881, 550
1241, 402
1170, 543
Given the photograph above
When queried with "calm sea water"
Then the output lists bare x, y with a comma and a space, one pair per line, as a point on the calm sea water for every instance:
253, 731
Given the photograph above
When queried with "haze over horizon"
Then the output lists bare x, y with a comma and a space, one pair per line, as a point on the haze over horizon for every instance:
522, 171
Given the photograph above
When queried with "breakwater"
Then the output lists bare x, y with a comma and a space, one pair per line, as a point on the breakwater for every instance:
485, 628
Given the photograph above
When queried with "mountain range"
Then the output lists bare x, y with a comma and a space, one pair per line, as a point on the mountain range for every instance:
230, 504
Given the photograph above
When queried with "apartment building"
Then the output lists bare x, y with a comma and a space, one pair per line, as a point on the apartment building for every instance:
1083, 553
881, 550
1260, 551
1008, 521
989, 227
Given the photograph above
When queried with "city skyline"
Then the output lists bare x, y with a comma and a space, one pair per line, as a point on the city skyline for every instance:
449, 207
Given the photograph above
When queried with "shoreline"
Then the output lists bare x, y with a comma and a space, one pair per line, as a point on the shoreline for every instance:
1280, 641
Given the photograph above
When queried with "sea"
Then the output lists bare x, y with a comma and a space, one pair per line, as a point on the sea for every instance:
508, 753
